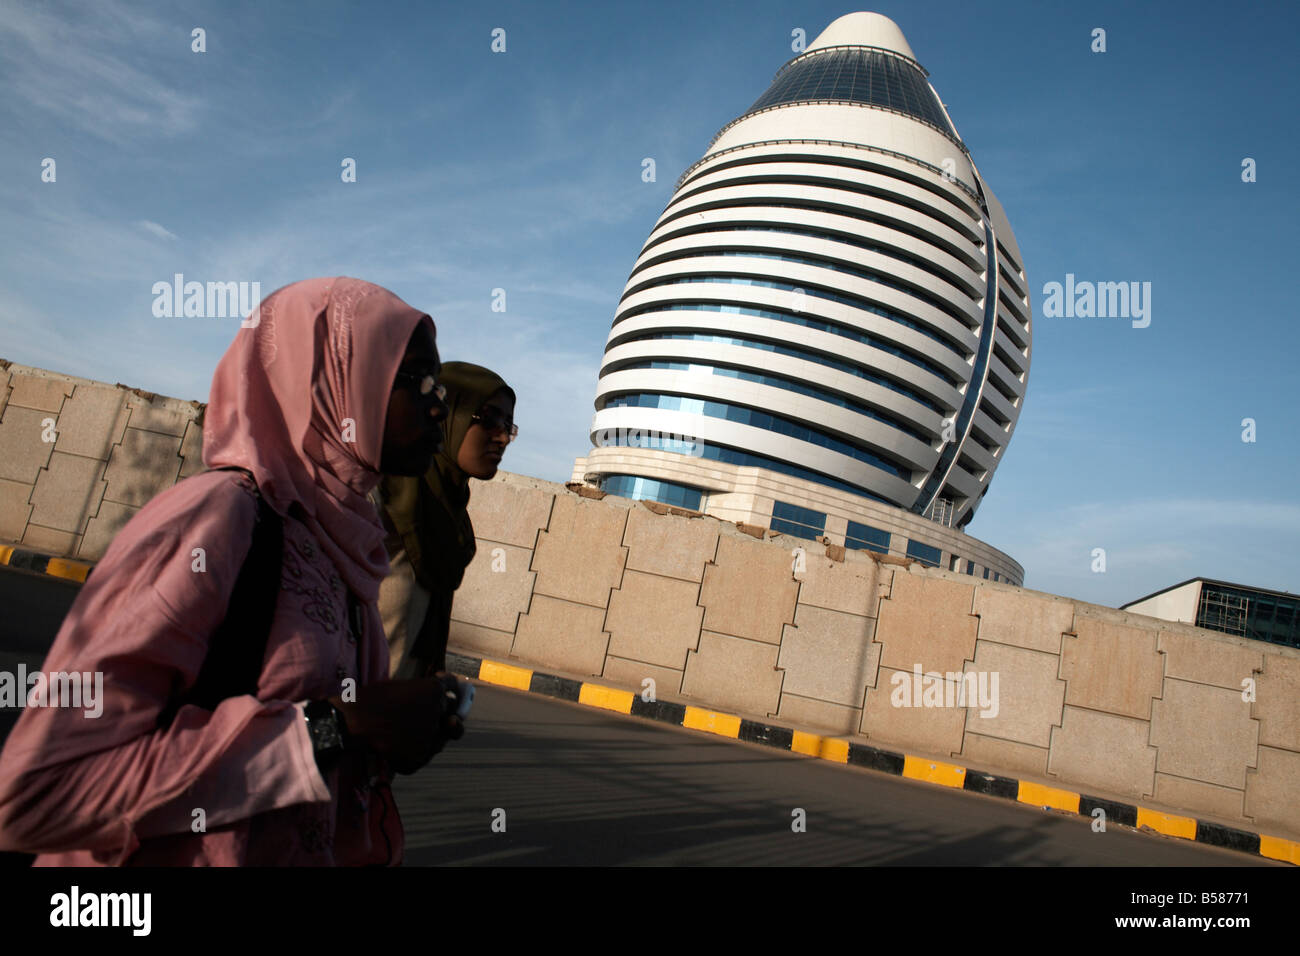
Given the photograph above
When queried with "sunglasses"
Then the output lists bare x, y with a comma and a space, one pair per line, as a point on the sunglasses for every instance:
424, 383
494, 420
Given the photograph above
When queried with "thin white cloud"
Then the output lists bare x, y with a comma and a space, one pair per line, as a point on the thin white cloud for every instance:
81, 66
162, 232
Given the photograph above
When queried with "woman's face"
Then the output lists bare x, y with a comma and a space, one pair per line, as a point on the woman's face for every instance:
481, 452
413, 428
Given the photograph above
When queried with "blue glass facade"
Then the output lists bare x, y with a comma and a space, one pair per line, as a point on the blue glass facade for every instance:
849, 300
764, 420
857, 335
638, 489
858, 75
926, 554
808, 356
798, 522
1261, 615
865, 537
789, 385
734, 456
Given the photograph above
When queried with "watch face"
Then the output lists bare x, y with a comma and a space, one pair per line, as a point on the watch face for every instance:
323, 725
328, 736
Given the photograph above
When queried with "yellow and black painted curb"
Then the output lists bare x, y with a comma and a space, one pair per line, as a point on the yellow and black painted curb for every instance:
43, 564
858, 754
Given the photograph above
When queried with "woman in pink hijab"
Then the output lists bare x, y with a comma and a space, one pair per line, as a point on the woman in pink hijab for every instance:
332, 383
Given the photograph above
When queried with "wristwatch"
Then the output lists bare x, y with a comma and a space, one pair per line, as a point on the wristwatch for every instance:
328, 733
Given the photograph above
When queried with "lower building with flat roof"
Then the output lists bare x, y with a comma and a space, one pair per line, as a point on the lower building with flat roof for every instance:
1258, 613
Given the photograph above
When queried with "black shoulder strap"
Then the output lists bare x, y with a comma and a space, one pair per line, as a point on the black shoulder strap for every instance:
237, 648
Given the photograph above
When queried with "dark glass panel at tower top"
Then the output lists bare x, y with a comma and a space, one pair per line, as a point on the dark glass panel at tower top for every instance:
858, 75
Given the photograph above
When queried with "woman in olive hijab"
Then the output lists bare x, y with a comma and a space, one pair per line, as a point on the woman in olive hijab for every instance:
431, 539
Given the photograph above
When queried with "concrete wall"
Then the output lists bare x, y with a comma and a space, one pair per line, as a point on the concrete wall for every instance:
79, 458
1110, 703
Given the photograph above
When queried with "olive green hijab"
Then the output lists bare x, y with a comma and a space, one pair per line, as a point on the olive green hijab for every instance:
429, 513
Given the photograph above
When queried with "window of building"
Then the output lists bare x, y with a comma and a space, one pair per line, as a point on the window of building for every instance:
926, 554
732, 456
970, 567
932, 300
638, 489
758, 419
1250, 613
850, 368
1222, 610
855, 302
808, 321
781, 382
866, 538
986, 574
798, 522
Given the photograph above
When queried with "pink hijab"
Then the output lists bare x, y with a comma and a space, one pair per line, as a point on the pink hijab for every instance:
311, 429
301, 401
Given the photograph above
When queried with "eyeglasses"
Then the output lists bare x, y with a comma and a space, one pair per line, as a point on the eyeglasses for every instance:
425, 382
495, 420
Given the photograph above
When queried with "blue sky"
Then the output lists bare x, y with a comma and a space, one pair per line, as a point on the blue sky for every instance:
522, 171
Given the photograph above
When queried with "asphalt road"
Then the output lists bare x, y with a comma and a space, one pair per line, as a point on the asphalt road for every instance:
31, 608
581, 786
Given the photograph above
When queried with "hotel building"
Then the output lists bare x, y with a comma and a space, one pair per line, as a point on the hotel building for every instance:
827, 332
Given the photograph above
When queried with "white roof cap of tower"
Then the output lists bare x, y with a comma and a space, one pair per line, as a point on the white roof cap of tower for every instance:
864, 29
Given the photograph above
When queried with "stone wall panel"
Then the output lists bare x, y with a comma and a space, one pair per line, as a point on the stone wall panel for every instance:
1111, 667
68, 492
669, 545
829, 655
142, 465
1023, 620
579, 557
23, 452
1271, 791
654, 619
508, 513
38, 392
821, 714
15, 509
497, 587
1204, 733
927, 621
750, 591
848, 585
1030, 697
1203, 659
1223, 802
631, 673
732, 673
91, 422
933, 730
1106, 751
562, 635
1277, 702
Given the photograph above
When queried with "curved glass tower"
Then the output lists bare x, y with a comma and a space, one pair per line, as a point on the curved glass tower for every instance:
829, 326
